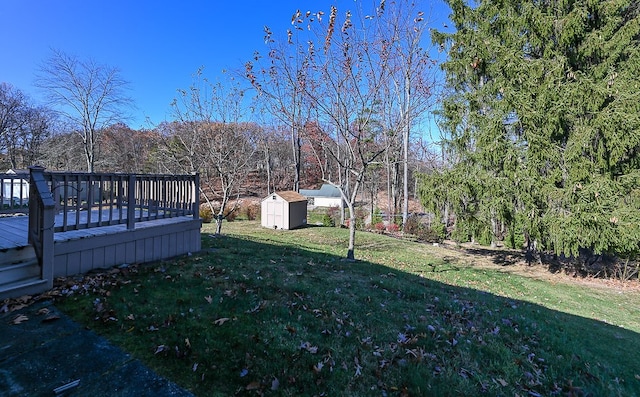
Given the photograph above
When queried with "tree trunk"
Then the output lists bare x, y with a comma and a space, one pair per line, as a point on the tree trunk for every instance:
267, 155
405, 150
295, 142
219, 219
352, 232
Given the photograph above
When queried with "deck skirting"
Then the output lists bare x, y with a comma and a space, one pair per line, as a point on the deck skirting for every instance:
78, 252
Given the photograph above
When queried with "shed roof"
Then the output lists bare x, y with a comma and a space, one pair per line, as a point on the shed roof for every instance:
291, 197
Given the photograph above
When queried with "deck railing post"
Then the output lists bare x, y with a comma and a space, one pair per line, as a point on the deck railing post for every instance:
131, 202
41, 222
196, 196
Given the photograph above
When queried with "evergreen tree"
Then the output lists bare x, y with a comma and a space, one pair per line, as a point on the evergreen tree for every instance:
542, 121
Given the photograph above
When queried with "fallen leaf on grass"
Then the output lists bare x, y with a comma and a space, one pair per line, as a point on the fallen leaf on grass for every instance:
502, 382
19, 319
358, 369
24, 299
308, 347
17, 307
221, 321
253, 385
258, 307
42, 311
209, 299
4, 308
275, 384
50, 318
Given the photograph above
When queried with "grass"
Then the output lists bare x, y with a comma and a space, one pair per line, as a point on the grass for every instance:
280, 313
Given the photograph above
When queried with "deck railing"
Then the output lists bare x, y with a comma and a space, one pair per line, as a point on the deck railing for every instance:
87, 200
14, 193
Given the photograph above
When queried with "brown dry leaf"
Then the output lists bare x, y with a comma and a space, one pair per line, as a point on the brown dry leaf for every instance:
209, 299
24, 299
502, 382
291, 329
17, 307
44, 310
187, 343
19, 319
131, 317
221, 321
253, 386
4, 308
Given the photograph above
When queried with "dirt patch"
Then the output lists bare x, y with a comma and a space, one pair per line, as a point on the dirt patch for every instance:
515, 261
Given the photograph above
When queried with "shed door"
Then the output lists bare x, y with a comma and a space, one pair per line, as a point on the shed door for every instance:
275, 213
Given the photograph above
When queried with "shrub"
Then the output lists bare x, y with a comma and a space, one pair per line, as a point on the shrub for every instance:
434, 234
231, 216
376, 217
393, 228
361, 215
380, 226
439, 230
205, 213
334, 214
253, 211
414, 225
327, 220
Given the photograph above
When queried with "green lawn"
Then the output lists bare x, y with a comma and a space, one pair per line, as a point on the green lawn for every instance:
270, 312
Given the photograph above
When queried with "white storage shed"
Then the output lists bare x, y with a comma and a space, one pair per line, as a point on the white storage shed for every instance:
284, 210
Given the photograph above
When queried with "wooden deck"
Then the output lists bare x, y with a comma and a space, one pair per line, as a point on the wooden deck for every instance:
88, 224
14, 229
13, 232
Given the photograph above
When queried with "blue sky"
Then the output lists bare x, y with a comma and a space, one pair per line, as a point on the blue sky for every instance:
157, 46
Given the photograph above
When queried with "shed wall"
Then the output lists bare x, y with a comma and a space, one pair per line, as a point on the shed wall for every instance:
297, 214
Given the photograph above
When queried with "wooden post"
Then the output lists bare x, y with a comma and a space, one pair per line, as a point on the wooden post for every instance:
131, 202
41, 222
196, 196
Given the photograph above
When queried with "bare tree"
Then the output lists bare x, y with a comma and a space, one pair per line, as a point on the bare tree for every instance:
90, 96
280, 82
23, 127
62, 152
123, 149
210, 137
351, 73
409, 94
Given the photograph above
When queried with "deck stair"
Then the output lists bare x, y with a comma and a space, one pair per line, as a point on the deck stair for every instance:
20, 272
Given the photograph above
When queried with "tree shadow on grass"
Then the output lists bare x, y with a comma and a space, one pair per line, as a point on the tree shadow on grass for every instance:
553, 351
245, 316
